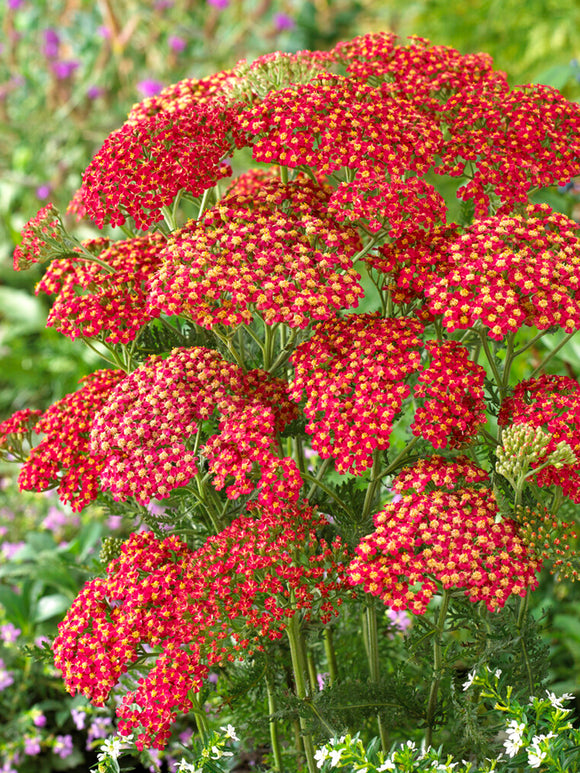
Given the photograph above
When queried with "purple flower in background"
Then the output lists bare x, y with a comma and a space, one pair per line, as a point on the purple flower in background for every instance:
177, 44
283, 22
100, 728
400, 620
114, 522
56, 519
9, 633
39, 719
213, 678
104, 32
149, 87
51, 43
6, 677
186, 736
94, 92
63, 746
64, 68
162, 5
79, 717
9, 549
14, 5
155, 760
32, 745
43, 191
221, 5
321, 679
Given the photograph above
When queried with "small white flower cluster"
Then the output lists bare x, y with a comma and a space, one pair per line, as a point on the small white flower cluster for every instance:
213, 751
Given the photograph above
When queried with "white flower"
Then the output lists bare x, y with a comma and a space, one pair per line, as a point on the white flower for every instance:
335, 755
110, 748
536, 757
230, 732
187, 767
557, 702
217, 753
469, 681
514, 732
321, 755
387, 765
497, 673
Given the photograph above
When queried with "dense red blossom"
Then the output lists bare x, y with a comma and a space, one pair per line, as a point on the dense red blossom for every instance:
35, 245
415, 261
146, 426
396, 206
443, 532
63, 458
270, 247
352, 371
510, 271
508, 142
195, 609
92, 301
419, 71
177, 141
454, 401
331, 123
552, 403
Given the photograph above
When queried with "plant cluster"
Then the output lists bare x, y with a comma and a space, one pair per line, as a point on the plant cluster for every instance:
312, 401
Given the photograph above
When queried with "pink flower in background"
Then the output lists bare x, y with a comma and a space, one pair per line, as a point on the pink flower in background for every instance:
9, 549
51, 43
39, 720
64, 68
401, 620
43, 191
6, 677
9, 633
283, 22
149, 87
63, 746
221, 5
177, 44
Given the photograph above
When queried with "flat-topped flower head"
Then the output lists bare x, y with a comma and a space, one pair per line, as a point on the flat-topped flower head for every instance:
510, 271
416, 70
193, 610
176, 141
550, 404
353, 373
92, 301
268, 248
146, 429
509, 143
333, 122
63, 458
443, 532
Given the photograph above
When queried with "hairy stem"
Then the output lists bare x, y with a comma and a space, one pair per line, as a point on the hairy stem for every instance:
300, 670
372, 645
273, 725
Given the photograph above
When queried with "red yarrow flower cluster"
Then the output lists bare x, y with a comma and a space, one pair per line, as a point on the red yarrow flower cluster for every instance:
93, 301
423, 73
63, 457
352, 371
552, 403
193, 610
15, 429
147, 428
175, 143
443, 532
36, 237
454, 405
511, 271
509, 142
268, 247
332, 122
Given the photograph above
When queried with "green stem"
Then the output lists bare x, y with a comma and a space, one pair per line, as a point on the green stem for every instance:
318, 484
300, 672
372, 642
273, 724
531, 342
397, 460
496, 374
374, 482
283, 174
552, 353
520, 624
321, 470
437, 666
330, 655
203, 202
199, 713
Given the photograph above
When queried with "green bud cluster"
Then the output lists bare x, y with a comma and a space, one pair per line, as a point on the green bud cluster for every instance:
524, 445
271, 73
110, 549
